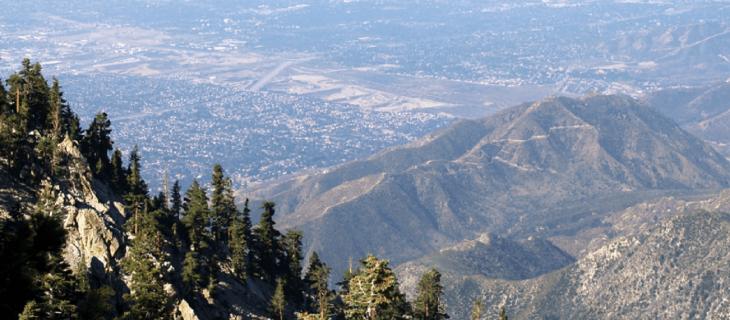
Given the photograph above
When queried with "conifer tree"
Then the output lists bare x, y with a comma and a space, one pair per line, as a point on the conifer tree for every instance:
175, 200
278, 300
118, 179
320, 296
137, 191
476, 309
196, 211
96, 145
291, 266
4, 105
428, 304
222, 208
267, 243
239, 242
374, 293
147, 298
31, 96
191, 273
56, 117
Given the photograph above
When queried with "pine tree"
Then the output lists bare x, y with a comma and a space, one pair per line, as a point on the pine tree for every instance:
196, 211
239, 242
476, 309
137, 191
428, 302
191, 273
147, 298
56, 111
278, 300
32, 311
222, 203
5, 108
291, 266
320, 296
175, 200
96, 145
374, 294
31, 96
267, 243
118, 179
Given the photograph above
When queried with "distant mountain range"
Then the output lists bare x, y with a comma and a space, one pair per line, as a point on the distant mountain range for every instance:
545, 169
703, 111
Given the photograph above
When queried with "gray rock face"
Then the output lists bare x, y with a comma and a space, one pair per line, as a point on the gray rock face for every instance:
93, 219
544, 169
677, 269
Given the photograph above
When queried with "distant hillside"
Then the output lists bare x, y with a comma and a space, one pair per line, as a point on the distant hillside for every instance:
544, 169
703, 111
488, 256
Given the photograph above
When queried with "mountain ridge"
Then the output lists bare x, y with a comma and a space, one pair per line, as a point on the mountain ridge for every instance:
524, 159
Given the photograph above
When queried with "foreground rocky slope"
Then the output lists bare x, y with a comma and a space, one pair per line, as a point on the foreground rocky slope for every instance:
675, 270
544, 169
663, 259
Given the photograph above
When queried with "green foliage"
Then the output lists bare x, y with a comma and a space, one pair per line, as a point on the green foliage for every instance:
147, 298
291, 267
267, 243
32, 96
31, 311
320, 297
239, 243
196, 213
137, 193
428, 304
222, 205
374, 294
96, 145
176, 200
476, 309
278, 300
191, 273
118, 175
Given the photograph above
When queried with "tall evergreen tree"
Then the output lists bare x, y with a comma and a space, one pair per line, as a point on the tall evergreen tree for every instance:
31, 96
222, 209
320, 297
191, 273
239, 245
428, 304
137, 191
278, 300
5, 108
374, 294
96, 145
118, 179
147, 298
196, 211
291, 267
175, 200
267, 243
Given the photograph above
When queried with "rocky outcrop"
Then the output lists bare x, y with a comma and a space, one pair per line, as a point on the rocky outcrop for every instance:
93, 217
672, 263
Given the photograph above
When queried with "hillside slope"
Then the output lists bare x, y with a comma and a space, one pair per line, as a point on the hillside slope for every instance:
544, 169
